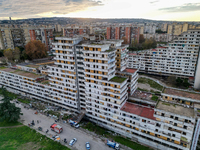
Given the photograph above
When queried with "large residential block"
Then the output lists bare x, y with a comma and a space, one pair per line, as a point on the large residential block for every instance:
93, 78
179, 57
121, 32
19, 37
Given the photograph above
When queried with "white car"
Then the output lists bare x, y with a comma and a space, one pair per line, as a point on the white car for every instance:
72, 142
76, 125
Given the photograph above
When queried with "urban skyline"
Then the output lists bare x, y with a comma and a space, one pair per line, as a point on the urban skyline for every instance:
149, 9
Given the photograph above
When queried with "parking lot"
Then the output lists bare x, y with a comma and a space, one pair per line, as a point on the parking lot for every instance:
68, 132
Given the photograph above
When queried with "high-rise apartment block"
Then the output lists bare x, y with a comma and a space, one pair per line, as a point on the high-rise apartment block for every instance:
74, 30
177, 29
180, 57
121, 32
177, 58
18, 37
93, 78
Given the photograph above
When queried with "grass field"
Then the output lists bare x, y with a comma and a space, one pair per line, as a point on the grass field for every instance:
24, 138
8, 124
152, 83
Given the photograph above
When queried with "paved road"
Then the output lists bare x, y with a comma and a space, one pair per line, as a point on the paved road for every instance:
68, 132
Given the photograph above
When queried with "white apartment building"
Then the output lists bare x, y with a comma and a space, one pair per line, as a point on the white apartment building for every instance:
85, 78
177, 58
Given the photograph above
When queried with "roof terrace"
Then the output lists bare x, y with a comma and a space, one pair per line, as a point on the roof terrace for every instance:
145, 112
22, 73
176, 109
182, 93
118, 79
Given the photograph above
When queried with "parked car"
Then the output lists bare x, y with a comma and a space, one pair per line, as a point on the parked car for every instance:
87, 145
76, 125
72, 142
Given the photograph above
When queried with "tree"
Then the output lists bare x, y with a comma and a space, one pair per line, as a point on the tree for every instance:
36, 49
125, 40
134, 43
16, 54
179, 81
186, 83
8, 54
12, 55
1, 53
171, 79
149, 43
141, 40
8, 111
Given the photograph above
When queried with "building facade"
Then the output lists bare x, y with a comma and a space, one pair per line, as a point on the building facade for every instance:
85, 78
177, 58
123, 32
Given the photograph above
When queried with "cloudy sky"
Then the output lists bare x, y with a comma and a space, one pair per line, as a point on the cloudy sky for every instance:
180, 10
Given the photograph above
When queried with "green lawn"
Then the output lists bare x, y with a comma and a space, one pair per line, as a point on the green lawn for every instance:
25, 138
12, 95
125, 141
152, 83
26, 101
130, 143
94, 128
118, 79
6, 124
154, 98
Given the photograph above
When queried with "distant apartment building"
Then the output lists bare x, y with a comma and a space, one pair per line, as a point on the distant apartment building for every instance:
151, 29
45, 35
74, 30
58, 28
19, 37
177, 29
164, 27
120, 32
164, 37
179, 57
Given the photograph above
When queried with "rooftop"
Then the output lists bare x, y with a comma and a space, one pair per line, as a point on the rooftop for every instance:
22, 73
142, 95
176, 109
118, 79
46, 82
130, 70
182, 93
37, 63
138, 110
132, 54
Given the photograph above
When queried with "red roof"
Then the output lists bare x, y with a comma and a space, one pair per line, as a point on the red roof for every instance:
131, 70
132, 54
138, 110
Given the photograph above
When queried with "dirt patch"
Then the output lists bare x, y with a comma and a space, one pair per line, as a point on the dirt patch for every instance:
147, 87
30, 146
